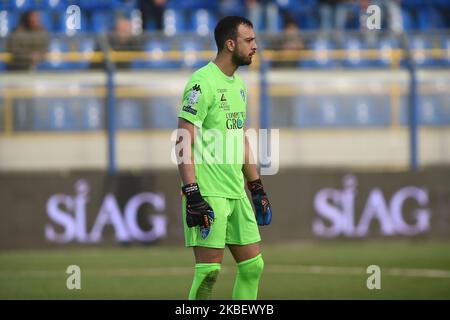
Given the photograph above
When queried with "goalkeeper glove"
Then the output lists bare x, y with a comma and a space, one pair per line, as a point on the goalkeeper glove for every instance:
198, 211
263, 210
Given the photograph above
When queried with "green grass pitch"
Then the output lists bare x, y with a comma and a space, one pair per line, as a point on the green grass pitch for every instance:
300, 270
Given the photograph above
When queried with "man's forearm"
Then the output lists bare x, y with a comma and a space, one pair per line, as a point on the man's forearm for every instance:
184, 144
187, 173
249, 168
250, 172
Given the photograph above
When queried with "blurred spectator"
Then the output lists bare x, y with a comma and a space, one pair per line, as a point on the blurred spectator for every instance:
291, 36
289, 41
28, 43
263, 13
152, 14
123, 39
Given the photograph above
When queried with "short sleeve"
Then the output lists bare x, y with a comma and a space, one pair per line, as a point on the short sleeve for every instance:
195, 103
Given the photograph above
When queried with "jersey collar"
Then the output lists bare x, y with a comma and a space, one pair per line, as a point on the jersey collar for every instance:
220, 73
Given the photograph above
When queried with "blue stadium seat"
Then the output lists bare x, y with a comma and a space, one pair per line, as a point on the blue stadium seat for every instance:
127, 5
445, 45
102, 21
305, 112
129, 115
173, 22
99, 4
292, 5
443, 6
47, 20
352, 21
55, 63
419, 45
86, 46
2, 110
92, 114
192, 5
320, 111
414, 3
54, 114
429, 18
322, 58
59, 5
385, 48
21, 5
157, 50
5, 5
369, 110
4, 30
354, 47
61, 115
23, 113
8, 21
441, 3
433, 111
430, 111
38, 4
163, 113
408, 22
231, 8
333, 112
191, 54
305, 14
203, 22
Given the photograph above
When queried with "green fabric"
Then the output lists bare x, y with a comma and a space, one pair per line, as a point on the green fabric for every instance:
234, 223
204, 278
247, 278
216, 105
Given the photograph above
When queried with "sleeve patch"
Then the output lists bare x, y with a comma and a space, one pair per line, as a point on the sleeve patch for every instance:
190, 110
194, 95
192, 100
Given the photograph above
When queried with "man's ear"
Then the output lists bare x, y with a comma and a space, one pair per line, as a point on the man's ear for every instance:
230, 45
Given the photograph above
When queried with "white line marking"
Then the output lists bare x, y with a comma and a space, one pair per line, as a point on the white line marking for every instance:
271, 269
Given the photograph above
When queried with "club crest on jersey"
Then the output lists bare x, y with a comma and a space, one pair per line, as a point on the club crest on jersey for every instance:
243, 95
194, 95
204, 232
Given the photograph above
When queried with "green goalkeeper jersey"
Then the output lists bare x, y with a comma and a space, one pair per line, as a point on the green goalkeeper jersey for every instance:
216, 105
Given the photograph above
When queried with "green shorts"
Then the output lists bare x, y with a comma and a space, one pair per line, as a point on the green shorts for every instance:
234, 223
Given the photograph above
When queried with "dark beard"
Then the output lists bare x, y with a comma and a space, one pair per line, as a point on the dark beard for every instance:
239, 60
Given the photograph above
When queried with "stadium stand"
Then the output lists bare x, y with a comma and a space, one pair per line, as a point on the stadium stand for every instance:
292, 34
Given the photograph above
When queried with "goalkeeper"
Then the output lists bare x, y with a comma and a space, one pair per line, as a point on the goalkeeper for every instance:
216, 210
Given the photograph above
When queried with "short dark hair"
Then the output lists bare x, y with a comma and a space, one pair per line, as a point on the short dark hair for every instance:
227, 29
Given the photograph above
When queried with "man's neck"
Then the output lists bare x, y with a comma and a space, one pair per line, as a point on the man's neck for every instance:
225, 65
